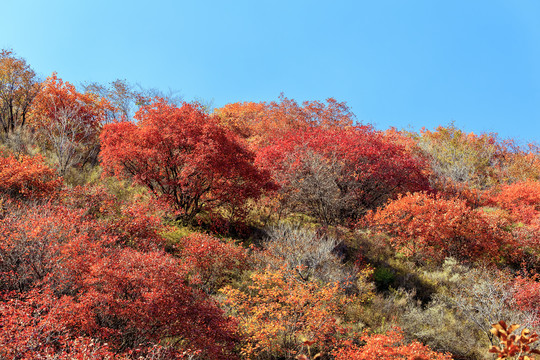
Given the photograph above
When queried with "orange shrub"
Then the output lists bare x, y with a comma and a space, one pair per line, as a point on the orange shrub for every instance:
28, 177
388, 346
431, 227
210, 261
277, 312
521, 199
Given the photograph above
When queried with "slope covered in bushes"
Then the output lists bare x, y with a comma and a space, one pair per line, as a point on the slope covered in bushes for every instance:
256, 231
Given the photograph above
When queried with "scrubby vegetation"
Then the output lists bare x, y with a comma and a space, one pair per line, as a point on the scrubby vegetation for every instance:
255, 231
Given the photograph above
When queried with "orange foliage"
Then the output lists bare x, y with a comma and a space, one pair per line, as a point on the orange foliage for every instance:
391, 345
260, 122
27, 177
521, 199
18, 87
57, 95
518, 163
512, 345
435, 228
68, 122
277, 312
210, 260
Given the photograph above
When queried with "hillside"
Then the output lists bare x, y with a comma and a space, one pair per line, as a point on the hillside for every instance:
136, 226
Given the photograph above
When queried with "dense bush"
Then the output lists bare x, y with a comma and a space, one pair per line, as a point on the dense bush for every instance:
27, 177
133, 266
276, 312
431, 227
391, 345
211, 262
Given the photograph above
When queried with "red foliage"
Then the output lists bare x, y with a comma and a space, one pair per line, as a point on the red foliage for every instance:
435, 228
184, 157
137, 227
135, 224
388, 346
132, 299
67, 122
95, 201
449, 189
521, 199
362, 164
65, 274
27, 177
29, 239
211, 261
260, 123
526, 294
31, 331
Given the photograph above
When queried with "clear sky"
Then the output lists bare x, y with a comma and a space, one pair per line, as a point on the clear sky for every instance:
396, 63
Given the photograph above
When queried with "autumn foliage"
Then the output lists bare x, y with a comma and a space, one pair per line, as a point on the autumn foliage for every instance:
391, 345
67, 122
338, 174
211, 262
184, 157
512, 345
344, 241
277, 312
521, 199
122, 298
27, 177
85, 282
431, 227
18, 87
261, 123
461, 157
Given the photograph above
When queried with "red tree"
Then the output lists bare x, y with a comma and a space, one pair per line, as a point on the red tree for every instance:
184, 157
339, 173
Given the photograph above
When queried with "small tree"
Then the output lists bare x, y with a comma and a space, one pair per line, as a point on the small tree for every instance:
18, 87
68, 122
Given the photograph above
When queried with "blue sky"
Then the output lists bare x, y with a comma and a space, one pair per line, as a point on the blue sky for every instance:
396, 63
